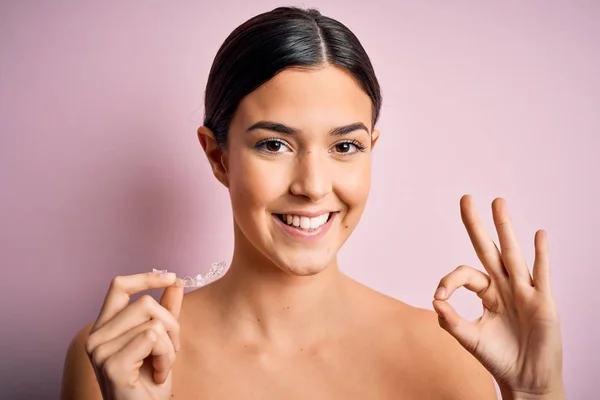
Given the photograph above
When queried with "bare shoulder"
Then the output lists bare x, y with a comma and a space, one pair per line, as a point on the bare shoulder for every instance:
78, 379
416, 348
459, 374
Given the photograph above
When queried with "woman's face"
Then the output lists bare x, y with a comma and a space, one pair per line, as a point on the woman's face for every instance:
298, 165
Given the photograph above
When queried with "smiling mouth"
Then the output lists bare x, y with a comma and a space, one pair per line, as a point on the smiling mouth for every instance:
304, 223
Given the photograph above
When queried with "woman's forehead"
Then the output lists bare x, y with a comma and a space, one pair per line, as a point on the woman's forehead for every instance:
326, 96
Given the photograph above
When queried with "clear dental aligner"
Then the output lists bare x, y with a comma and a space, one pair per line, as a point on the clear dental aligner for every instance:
215, 272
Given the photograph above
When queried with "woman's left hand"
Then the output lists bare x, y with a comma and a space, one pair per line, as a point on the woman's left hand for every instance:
518, 336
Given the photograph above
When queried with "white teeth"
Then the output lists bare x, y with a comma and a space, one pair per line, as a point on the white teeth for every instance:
315, 223
305, 222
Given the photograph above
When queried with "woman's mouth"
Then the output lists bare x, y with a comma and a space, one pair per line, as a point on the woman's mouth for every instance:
303, 227
304, 223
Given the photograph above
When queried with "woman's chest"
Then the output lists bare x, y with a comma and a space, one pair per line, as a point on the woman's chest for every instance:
315, 377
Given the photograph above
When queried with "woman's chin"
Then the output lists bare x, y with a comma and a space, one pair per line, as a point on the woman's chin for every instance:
305, 266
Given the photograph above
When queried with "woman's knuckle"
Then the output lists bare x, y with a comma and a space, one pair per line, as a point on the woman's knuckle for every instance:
462, 269
156, 326
111, 367
151, 335
117, 282
91, 344
128, 382
98, 356
147, 301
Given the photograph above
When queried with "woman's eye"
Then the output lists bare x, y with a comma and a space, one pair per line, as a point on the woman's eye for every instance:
348, 147
272, 146
343, 147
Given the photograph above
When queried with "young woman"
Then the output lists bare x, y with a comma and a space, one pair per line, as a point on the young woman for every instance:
291, 106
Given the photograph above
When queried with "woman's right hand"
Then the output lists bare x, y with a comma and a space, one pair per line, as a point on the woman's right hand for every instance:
132, 346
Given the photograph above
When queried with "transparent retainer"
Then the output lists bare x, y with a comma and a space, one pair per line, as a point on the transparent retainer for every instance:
215, 272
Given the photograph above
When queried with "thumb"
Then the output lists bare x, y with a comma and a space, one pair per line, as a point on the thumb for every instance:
171, 299
465, 332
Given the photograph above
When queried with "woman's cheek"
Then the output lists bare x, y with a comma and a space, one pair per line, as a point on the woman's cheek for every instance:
353, 184
257, 183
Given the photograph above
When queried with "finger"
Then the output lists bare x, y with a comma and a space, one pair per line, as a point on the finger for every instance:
511, 254
105, 350
541, 264
123, 367
486, 250
466, 333
465, 276
138, 312
163, 357
122, 287
171, 300
127, 362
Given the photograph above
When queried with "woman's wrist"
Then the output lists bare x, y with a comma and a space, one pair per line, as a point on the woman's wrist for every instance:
548, 396
557, 393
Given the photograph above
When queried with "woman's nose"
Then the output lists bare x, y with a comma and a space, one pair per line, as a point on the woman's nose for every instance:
311, 177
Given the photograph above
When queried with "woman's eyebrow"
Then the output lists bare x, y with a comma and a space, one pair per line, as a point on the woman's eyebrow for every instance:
343, 130
273, 126
284, 129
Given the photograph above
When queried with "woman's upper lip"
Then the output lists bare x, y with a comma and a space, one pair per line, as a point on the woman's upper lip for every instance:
309, 214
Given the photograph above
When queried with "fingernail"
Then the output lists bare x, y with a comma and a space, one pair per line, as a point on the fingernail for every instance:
440, 293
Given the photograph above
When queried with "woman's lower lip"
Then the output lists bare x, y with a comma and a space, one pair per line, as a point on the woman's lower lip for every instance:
301, 234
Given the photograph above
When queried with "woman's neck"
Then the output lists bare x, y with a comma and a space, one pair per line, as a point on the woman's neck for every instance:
261, 303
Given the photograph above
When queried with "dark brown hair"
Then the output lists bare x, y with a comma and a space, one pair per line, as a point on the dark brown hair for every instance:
286, 37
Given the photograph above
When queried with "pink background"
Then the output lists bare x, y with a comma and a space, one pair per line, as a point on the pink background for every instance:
101, 172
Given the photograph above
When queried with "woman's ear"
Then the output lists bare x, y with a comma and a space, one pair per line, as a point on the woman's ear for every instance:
374, 138
216, 155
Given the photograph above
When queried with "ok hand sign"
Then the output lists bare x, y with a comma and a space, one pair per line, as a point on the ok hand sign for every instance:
518, 336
